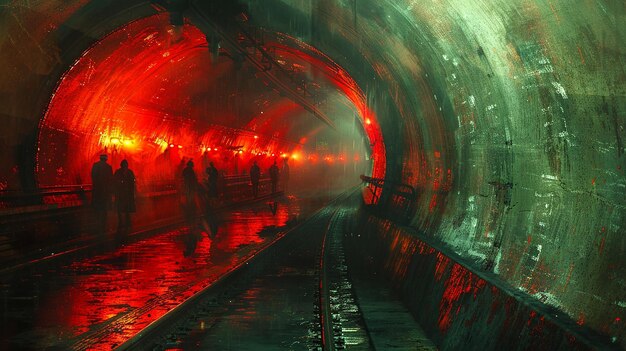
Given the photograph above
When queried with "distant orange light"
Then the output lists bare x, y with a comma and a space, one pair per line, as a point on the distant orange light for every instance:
171, 145
368, 121
256, 137
208, 149
180, 146
115, 141
129, 142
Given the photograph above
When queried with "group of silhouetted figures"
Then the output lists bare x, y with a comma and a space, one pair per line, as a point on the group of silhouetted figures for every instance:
274, 173
107, 184
194, 197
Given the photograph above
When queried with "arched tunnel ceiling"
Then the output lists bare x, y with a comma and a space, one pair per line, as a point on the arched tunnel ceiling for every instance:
507, 116
149, 87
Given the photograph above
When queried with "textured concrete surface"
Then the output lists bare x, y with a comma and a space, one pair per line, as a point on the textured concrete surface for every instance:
459, 306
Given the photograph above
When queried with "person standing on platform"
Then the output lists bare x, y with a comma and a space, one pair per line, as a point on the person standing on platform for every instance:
255, 175
212, 192
124, 180
274, 176
101, 176
188, 203
212, 180
189, 190
285, 174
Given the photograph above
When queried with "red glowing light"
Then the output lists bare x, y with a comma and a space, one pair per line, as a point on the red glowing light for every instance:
105, 81
342, 80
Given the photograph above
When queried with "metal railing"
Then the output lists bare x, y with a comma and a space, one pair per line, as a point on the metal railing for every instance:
403, 196
232, 188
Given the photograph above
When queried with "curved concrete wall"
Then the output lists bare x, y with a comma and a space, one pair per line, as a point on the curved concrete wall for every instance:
508, 116
511, 118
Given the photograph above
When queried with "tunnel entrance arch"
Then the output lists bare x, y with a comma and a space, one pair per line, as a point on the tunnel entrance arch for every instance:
111, 101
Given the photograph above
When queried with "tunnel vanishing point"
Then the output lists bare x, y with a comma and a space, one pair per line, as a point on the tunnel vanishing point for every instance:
505, 118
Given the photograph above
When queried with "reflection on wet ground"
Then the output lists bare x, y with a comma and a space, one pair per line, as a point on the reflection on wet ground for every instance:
101, 301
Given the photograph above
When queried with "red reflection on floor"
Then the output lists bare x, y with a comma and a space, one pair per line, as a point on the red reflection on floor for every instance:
102, 301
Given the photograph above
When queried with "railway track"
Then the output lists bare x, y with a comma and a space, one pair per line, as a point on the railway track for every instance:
296, 294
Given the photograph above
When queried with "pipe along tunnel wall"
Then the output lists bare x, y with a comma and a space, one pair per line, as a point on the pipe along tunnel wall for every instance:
507, 117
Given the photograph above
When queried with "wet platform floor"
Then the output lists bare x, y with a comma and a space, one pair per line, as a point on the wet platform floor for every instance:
98, 302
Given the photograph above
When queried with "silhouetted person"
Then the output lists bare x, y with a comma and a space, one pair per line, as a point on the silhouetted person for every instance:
189, 190
124, 180
101, 176
212, 179
190, 187
212, 192
285, 175
255, 175
274, 176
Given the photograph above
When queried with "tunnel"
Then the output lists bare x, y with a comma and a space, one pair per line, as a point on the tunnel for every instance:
492, 130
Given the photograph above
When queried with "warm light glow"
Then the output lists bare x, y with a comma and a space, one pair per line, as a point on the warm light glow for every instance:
161, 143
368, 121
151, 149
